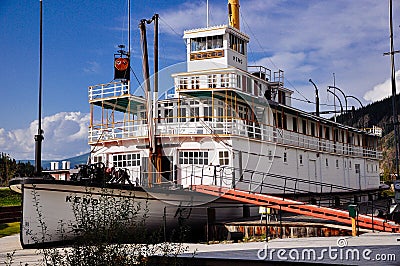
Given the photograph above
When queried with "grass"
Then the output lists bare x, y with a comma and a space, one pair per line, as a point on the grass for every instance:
9, 198
8, 229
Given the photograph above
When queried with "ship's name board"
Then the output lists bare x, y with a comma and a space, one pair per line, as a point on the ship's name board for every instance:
237, 59
83, 200
206, 55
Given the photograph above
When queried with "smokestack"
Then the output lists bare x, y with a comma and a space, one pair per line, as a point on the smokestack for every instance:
233, 9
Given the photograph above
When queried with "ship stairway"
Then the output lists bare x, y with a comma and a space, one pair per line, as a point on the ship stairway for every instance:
298, 207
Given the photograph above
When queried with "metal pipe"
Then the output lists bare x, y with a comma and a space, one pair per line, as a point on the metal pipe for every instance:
316, 98
341, 106
344, 95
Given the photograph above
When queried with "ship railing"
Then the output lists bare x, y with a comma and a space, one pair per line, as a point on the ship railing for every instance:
256, 181
114, 131
227, 126
112, 89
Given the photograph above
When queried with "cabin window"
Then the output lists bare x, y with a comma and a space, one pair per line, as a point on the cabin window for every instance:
349, 164
239, 81
337, 163
97, 159
248, 86
256, 87
193, 157
194, 113
224, 80
237, 44
326, 162
223, 158
327, 133
183, 83
207, 113
301, 159
281, 97
212, 81
304, 127
357, 168
284, 121
279, 118
168, 115
295, 124
320, 131
182, 114
285, 157
312, 129
206, 43
195, 82
126, 160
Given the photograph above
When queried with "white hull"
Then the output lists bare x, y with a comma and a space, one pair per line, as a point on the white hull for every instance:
51, 204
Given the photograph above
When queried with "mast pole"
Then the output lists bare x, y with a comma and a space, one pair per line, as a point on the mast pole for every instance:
146, 76
395, 119
207, 15
39, 136
129, 41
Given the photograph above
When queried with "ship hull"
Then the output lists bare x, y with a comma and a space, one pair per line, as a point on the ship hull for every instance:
50, 209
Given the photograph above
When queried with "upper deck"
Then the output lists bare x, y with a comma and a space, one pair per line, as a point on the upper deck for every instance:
223, 112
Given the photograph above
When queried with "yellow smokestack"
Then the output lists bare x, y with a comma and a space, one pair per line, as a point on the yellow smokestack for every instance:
233, 8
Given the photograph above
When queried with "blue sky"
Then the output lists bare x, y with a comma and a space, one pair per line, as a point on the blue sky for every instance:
307, 39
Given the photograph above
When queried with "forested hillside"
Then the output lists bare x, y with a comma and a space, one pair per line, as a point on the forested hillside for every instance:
379, 114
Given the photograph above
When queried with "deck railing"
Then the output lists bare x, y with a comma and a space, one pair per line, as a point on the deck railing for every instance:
112, 89
223, 126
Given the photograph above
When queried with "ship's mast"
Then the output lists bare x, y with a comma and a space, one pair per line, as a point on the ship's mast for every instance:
39, 137
395, 119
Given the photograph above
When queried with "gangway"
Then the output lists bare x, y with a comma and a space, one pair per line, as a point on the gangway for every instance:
298, 207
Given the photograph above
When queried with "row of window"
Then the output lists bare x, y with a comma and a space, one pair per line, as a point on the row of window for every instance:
206, 43
370, 167
126, 160
310, 128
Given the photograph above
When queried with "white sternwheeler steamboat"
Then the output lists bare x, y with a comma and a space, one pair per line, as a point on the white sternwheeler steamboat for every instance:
224, 130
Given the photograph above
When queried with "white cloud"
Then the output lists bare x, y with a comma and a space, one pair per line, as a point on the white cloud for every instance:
382, 90
92, 67
65, 135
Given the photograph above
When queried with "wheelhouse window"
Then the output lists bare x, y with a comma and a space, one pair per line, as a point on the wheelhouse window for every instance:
237, 44
193, 157
206, 43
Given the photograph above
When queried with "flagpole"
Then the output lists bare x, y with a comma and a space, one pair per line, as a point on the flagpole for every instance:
39, 137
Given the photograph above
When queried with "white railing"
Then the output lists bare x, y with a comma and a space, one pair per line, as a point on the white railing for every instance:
238, 127
112, 89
